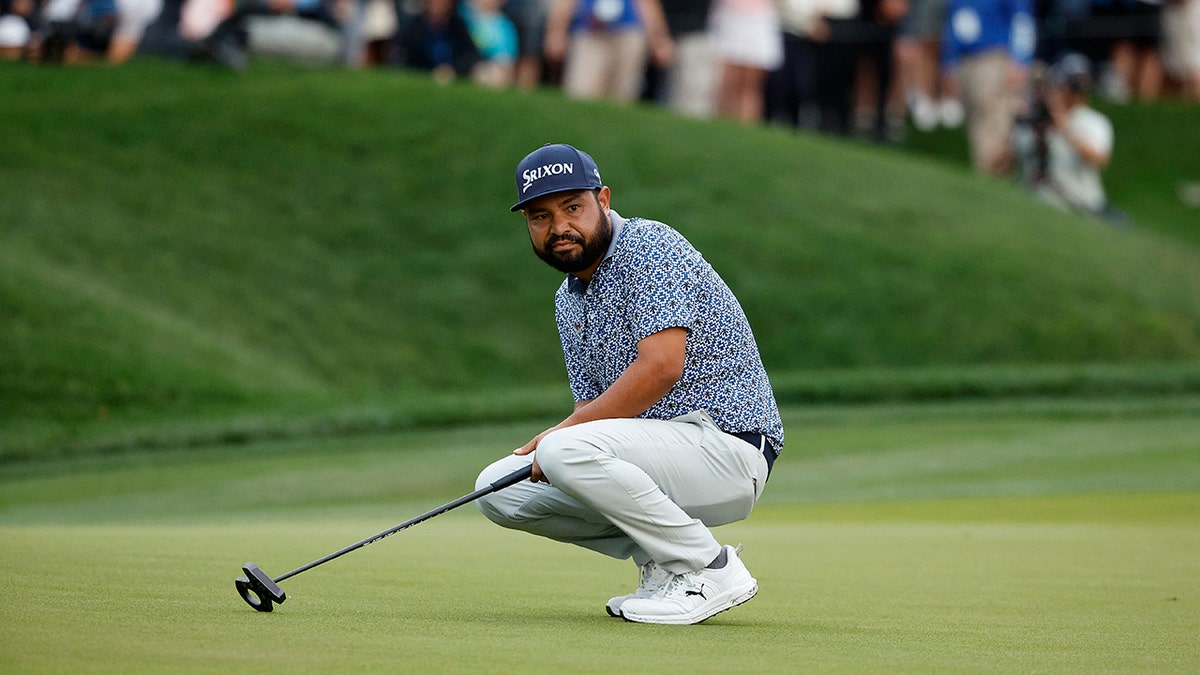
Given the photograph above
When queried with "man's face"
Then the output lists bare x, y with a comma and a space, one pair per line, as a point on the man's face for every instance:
570, 230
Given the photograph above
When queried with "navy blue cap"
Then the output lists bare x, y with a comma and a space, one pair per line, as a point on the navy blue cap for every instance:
554, 168
1073, 71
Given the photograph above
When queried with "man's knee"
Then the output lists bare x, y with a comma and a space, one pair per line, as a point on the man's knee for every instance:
491, 505
561, 448
490, 509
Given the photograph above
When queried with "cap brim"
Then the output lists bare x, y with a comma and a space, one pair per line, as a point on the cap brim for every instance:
521, 204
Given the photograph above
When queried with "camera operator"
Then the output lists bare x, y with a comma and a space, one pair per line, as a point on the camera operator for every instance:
1065, 143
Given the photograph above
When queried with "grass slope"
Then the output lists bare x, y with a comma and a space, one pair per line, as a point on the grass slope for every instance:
1152, 163
994, 537
189, 242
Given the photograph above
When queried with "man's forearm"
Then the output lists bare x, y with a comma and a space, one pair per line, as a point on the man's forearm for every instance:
658, 366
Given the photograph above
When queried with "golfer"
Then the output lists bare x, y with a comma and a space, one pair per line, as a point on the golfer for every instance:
675, 426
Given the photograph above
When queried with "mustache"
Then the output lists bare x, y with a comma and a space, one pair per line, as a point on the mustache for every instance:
569, 236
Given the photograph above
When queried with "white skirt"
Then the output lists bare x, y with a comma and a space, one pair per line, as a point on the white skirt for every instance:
747, 38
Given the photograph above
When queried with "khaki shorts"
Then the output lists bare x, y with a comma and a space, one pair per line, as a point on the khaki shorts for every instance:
605, 64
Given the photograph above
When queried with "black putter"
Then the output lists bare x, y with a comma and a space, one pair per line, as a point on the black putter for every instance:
261, 592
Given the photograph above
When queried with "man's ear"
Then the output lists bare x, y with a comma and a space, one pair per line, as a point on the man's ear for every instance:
603, 196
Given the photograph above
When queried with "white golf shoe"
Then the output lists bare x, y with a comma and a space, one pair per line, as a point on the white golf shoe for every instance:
651, 579
693, 597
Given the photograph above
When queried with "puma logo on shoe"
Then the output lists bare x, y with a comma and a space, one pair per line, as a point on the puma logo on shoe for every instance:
699, 592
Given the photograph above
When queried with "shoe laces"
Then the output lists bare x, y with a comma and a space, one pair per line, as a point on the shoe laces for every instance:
652, 577
680, 584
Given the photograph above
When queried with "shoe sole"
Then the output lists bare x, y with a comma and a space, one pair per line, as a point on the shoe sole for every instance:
740, 596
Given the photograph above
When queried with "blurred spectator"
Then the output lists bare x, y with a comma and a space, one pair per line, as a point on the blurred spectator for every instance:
1063, 28
438, 40
14, 36
917, 45
792, 88
878, 115
603, 45
229, 42
495, 37
377, 29
1181, 45
688, 84
836, 34
199, 18
1130, 29
1065, 144
529, 18
163, 36
749, 44
15, 31
78, 28
987, 46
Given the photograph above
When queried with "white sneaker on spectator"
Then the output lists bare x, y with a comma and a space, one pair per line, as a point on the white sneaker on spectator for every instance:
651, 579
923, 111
951, 110
692, 597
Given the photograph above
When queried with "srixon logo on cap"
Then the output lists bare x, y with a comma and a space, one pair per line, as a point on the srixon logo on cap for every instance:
556, 169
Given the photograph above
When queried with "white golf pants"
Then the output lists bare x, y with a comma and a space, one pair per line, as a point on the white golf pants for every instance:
646, 489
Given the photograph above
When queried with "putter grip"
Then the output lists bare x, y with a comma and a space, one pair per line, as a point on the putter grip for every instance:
524, 473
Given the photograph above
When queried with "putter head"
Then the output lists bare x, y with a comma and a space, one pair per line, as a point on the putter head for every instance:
258, 589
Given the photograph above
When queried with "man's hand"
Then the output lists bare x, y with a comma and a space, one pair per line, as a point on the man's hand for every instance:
538, 476
656, 369
1057, 108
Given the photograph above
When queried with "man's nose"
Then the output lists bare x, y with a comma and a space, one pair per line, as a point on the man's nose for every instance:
559, 223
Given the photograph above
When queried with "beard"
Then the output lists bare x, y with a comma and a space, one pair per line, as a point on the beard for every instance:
590, 251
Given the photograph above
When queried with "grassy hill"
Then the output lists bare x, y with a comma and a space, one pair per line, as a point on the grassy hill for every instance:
1154, 161
183, 243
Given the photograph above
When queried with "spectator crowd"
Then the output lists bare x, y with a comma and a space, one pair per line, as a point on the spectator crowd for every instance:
1019, 74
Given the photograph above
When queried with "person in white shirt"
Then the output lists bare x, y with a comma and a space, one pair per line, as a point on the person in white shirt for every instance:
1064, 157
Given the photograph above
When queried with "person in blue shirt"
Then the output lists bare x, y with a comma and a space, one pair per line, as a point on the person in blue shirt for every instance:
675, 426
438, 40
603, 46
495, 36
987, 46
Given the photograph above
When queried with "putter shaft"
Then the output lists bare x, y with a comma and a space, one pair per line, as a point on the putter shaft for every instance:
259, 590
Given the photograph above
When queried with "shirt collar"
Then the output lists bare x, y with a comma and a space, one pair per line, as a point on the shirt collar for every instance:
577, 285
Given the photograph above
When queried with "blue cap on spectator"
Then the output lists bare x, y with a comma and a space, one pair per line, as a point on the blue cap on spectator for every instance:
1073, 71
554, 168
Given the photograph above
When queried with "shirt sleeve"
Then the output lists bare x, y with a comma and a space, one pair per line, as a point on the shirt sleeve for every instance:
1095, 130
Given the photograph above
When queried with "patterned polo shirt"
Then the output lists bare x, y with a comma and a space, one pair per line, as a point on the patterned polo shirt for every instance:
652, 279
